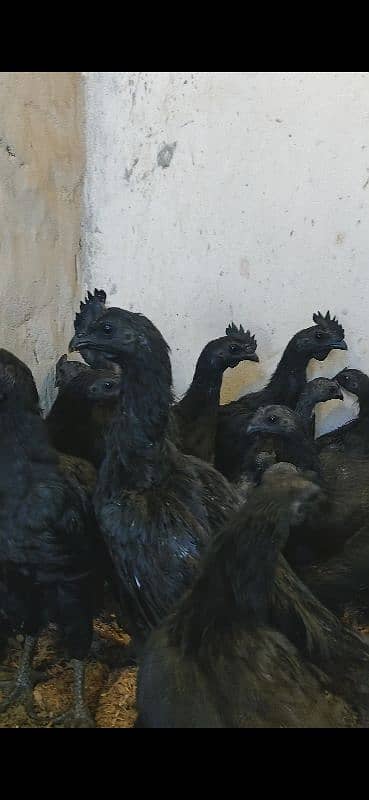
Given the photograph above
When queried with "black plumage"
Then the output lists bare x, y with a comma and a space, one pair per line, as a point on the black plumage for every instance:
342, 582
82, 411
318, 390
249, 646
264, 449
156, 507
195, 415
21, 375
83, 408
51, 560
344, 478
353, 437
284, 387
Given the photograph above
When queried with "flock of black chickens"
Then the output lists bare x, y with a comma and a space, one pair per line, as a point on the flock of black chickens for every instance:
231, 543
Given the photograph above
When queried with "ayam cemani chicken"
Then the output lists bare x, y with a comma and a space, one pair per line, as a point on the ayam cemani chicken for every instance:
353, 437
249, 646
94, 392
278, 448
318, 390
83, 409
193, 419
195, 415
342, 581
331, 553
26, 385
345, 479
52, 562
156, 507
24, 376
284, 387
87, 393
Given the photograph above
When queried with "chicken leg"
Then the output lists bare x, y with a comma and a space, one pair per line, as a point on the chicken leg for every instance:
21, 689
78, 716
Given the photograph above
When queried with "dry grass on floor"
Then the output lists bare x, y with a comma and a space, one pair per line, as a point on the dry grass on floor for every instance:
110, 692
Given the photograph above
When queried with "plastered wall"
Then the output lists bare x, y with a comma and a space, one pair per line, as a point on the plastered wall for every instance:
41, 172
213, 196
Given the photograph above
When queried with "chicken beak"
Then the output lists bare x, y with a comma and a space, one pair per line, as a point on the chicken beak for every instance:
253, 357
253, 428
340, 345
77, 343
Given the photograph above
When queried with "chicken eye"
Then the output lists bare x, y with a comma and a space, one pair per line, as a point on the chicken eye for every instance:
233, 348
272, 419
107, 327
319, 335
108, 385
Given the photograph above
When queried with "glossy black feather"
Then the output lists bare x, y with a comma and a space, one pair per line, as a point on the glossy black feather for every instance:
345, 480
82, 411
249, 646
353, 437
195, 415
50, 555
284, 387
156, 507
296, 449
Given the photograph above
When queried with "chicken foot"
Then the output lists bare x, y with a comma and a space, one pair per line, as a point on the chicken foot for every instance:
78, 716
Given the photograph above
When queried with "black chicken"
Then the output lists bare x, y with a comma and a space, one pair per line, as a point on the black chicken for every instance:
344, 478
284, 387
225, 657
195, 416
83, 410
318, 390
77, 469
156, 507
353, 437
23, 377
26, 388
271, 449
50, 556
342, 581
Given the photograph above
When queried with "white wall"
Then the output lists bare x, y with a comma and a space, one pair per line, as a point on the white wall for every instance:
261, 215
